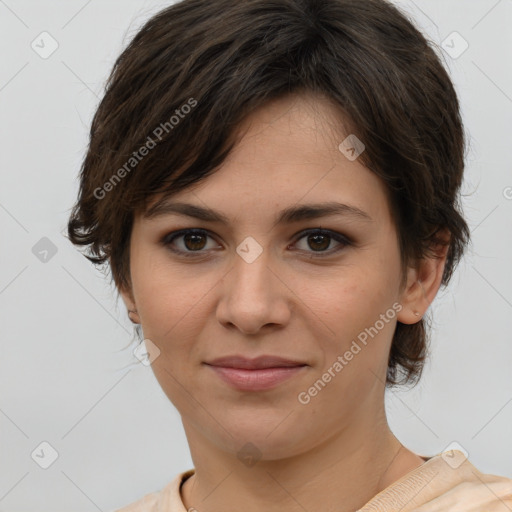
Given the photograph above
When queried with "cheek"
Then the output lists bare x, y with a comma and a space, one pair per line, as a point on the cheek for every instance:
358, 310
354, 299
171, 307
168, 300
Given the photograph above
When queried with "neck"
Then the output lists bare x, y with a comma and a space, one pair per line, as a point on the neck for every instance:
343, 473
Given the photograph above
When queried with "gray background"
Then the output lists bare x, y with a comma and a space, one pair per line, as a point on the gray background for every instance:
68, 376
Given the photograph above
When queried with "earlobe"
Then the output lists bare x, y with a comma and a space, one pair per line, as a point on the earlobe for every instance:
133, 315
422, 286
129, 302
414, 303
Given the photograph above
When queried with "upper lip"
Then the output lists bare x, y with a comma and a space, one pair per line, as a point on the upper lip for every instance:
254, 364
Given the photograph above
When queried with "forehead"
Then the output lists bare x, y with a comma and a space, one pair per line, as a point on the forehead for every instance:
287, 153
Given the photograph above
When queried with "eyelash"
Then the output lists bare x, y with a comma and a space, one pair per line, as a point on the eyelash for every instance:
169, 239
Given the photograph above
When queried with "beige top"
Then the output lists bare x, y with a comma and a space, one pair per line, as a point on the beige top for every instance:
441, 472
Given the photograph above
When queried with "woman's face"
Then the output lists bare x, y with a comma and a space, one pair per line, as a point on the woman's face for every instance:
319, 290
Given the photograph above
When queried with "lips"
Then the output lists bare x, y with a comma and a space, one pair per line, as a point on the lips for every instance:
260, 374
258, 363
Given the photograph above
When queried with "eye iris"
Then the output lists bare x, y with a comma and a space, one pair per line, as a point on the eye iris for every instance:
193, 238
197, 241
316, 237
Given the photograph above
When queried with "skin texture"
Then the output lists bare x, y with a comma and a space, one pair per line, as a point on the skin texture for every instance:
337, 451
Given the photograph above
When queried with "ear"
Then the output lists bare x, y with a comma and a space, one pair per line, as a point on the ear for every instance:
423, 282
131, 306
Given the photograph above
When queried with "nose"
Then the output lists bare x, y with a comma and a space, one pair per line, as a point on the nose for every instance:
254, 296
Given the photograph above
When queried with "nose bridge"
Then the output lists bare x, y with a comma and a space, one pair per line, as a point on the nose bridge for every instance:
252, 298
252, 274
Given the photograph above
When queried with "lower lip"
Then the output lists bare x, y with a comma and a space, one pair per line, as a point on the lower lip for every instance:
256, 380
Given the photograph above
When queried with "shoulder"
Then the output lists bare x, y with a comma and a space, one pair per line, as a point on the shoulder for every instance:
168, 499
446, 477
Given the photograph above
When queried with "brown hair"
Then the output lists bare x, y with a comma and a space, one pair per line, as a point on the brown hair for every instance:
196, 69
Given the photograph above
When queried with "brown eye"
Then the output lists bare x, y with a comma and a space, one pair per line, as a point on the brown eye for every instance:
318, 241
187, 242
194, 241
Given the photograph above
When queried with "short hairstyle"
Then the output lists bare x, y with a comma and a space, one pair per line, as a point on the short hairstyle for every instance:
198, 68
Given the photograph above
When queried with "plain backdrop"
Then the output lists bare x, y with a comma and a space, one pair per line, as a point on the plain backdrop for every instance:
68, 376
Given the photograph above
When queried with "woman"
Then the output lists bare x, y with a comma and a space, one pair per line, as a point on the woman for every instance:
274, 184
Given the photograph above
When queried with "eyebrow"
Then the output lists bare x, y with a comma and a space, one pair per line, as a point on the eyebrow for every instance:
288, 215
